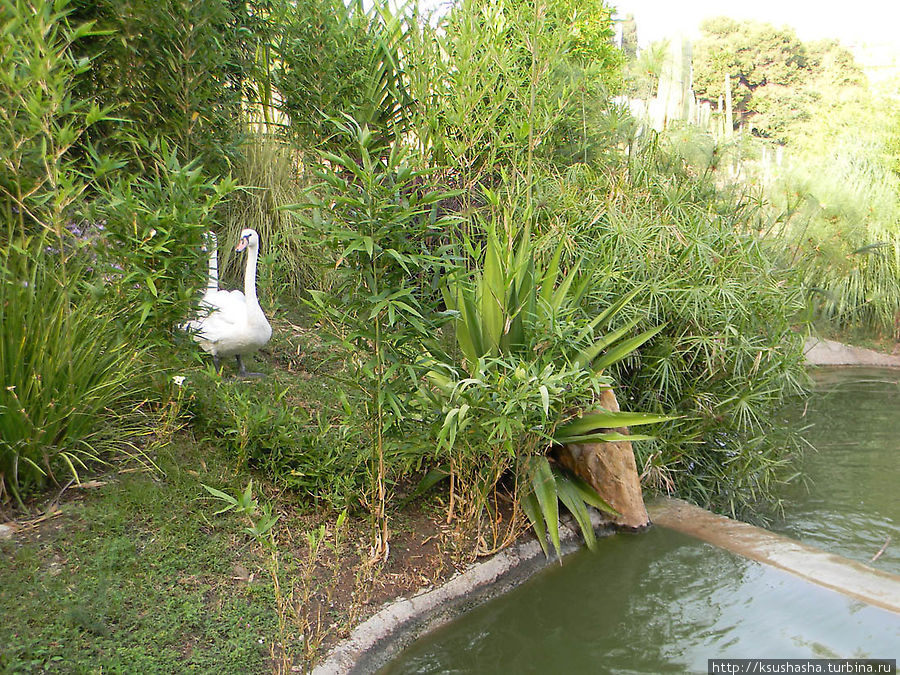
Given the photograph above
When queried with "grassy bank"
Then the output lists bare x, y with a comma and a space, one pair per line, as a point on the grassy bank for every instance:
133, 570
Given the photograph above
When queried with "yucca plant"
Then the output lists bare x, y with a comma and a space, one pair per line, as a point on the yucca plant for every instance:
531, 369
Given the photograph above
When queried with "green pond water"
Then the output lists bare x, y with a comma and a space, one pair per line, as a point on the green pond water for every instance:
663, 602
852, 505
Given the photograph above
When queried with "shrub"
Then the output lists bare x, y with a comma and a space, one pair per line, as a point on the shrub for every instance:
375, 216
263, 428
175, 69
70, 374
154, 222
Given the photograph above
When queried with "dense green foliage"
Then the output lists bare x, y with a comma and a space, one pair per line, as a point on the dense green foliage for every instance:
95, 262
486, 240
778, 82
464, 242
178, 68
727, 355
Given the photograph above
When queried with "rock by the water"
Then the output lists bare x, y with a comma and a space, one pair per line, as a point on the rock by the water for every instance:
610, 469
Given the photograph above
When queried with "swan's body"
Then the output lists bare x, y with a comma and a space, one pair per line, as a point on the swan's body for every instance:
234, 323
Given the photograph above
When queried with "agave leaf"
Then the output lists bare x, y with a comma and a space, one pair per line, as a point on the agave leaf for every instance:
623, 349
524, 263
472, 327
604, 437
607, 419
514, 332
532, 511
608, 313
493, 296
548, 281
561, 293
589, 495
573, 501
590, 353
544, 488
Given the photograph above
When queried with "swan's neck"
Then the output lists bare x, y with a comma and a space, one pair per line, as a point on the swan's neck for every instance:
250, 278
212, 283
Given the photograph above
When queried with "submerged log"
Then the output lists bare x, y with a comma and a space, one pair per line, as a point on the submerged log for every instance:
610, 469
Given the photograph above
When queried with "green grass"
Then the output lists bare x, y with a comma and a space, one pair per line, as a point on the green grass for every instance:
136, 576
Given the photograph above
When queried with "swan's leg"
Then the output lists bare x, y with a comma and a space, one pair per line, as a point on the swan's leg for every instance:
243, 370
217, 364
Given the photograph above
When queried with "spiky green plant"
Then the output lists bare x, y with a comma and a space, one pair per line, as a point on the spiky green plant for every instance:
531, 371
71, 376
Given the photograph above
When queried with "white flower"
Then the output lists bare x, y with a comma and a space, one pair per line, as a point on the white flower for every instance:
178, 380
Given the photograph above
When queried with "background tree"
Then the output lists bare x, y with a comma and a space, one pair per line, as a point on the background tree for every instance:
778, 82
629, 37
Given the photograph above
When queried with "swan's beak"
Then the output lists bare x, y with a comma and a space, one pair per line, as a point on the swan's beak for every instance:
242, 244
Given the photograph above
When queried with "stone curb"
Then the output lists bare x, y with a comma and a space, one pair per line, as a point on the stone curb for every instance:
829, 570
818, 352
382, 637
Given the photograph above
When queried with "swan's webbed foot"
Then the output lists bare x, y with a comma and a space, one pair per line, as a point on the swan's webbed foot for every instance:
242, 369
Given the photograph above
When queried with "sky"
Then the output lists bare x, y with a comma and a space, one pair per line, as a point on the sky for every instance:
853, 22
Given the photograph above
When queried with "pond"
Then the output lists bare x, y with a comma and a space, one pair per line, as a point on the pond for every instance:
662, 602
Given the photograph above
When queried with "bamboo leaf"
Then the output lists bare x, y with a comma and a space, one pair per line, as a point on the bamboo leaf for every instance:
607, 419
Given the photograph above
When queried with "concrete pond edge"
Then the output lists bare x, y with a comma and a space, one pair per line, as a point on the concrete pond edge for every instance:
821, 352
383, 636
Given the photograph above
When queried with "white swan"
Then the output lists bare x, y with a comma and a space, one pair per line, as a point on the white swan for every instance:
235, 324
214, 298
212, 282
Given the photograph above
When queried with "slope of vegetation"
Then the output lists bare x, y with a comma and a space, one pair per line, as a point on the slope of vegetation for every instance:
833, 203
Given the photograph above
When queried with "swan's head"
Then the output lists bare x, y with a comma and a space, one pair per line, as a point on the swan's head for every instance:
249, 239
